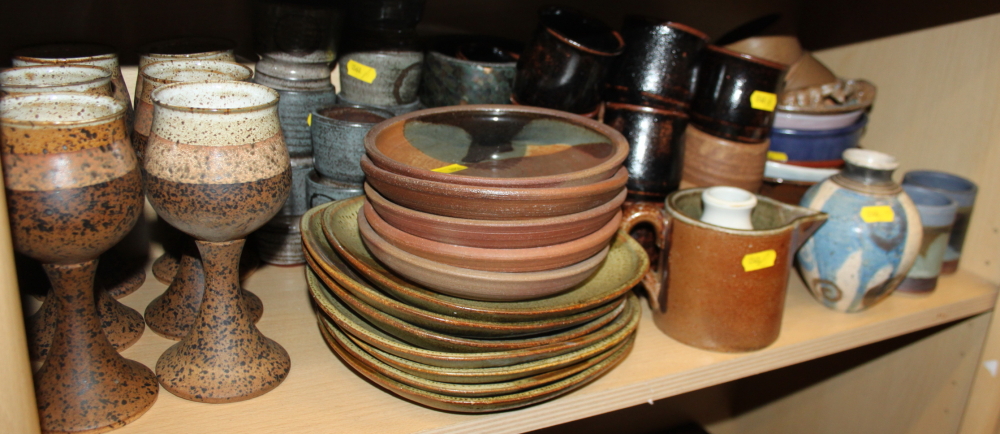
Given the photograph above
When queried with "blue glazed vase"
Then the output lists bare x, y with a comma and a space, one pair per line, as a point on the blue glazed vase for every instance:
869, 242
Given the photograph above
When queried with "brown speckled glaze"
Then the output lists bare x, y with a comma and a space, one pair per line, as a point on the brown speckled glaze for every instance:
216, 167
122, 325
66, 218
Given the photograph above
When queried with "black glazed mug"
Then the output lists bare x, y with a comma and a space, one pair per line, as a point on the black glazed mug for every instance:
736, 94
656, 148
564, 65
657, 67
469, 70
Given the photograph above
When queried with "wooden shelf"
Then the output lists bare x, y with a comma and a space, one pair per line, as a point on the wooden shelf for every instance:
322, 395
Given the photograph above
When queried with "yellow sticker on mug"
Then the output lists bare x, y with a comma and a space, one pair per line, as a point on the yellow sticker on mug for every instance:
759, 260
309, 120
761, 100
451, 168
777, 156
361, 71
877, 214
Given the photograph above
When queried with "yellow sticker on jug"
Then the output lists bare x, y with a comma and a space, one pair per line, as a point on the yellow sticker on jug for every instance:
759, 260
309, 120
761, 100
877, 214
777, 156
451, 168
361, 71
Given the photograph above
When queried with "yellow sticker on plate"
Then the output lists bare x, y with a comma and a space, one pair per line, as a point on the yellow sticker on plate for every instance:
761, 100
451, 168
777, 156
361, 71
877, 214
309, 120
759, 260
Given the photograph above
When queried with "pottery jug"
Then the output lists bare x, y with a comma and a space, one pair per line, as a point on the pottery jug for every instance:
717, 288
871, 240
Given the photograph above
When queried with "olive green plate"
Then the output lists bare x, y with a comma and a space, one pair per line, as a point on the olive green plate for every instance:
327, 264
359, 328
624, 266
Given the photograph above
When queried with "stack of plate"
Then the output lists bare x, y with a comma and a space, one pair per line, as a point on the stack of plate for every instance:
458, 354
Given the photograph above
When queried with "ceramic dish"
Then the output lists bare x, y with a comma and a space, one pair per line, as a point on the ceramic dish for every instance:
622, 269
328, 265
361, 329
811, 122
497, 146
491, 203
432, 340
472, 404
817, 145
477, 284
501, 260
773, 169
334, 336
840, 96
495, 234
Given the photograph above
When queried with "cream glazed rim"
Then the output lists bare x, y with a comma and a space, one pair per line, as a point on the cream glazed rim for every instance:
101, 74
62, 103
870, 159
164, 97
206, 64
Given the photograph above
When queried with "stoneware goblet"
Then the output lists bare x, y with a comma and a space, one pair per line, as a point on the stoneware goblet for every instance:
56, 78
216, 168
74, 190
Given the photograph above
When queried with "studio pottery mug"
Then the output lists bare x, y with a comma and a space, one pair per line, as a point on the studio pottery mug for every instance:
716, 288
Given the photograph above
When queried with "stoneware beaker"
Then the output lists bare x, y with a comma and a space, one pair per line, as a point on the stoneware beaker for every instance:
937, 215
656, 145
960, 190
717, 288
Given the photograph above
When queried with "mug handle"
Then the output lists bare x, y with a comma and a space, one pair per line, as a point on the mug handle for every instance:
652, 213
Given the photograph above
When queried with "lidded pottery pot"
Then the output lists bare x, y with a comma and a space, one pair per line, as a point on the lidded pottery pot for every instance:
870, 241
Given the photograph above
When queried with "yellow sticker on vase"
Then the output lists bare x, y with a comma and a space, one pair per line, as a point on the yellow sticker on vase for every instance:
761, 100
759, 260
777, 156
361, 71
877, 214
451, 168
309, 120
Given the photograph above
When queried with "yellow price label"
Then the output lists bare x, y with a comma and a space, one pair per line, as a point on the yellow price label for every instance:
759, 260
761, 100
361, 71
877, 214
777, 156
451, 168
309, 120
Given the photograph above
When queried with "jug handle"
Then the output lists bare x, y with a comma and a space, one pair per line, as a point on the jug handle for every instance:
652, 213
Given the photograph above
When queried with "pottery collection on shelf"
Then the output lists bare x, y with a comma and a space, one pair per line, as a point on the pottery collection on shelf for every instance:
473, 212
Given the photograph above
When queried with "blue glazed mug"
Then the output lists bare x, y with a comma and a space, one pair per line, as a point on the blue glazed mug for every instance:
937, 215
963, 192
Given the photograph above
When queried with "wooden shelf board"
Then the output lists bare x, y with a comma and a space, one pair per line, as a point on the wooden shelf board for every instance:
322, 395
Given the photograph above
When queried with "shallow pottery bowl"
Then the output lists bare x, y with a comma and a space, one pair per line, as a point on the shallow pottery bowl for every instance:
477, 284
328, 265
491, 203
480, 404
429, 339
495, 234
806, 121
335, 337
351, 323
497, 146
819, 145
622, 269
501, 260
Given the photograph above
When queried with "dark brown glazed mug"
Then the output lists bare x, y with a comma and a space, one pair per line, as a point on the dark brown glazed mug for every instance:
656, 146
736, 95
658, 65
565, 63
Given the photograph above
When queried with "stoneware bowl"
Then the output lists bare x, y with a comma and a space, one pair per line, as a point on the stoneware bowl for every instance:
497, 146
495, 234
503, 259
338, 134
490, 203
816, 145
806, 121
477, 284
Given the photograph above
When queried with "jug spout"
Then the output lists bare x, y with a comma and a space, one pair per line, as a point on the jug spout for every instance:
804, 222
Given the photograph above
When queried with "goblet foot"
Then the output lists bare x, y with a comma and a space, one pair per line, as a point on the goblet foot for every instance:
223, 358
84, 384
124, 282
165, 267
122, 325
171, 314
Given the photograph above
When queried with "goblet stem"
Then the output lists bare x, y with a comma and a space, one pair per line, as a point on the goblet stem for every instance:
224, 358
84, 384
122, 324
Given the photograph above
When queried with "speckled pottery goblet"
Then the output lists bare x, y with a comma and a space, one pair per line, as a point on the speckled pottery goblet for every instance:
56, 78
216, 167
197, 47
74, 190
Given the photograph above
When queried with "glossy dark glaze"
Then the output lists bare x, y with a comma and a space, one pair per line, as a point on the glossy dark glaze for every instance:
338, 140
382, 24
658, 65
656, 147
469, 70
224, 358
721, 103
566, 61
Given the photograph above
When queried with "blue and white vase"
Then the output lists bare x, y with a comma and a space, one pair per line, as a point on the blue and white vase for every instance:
869, 242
